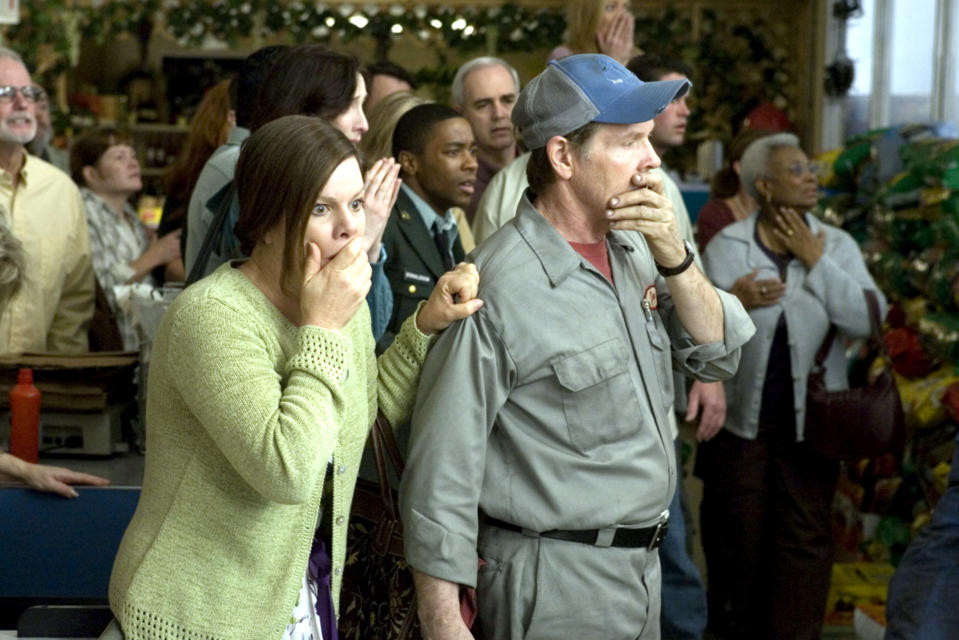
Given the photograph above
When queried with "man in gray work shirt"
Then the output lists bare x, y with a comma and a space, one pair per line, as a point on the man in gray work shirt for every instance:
540, 440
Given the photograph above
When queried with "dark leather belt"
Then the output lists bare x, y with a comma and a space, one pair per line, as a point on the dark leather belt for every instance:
648, 537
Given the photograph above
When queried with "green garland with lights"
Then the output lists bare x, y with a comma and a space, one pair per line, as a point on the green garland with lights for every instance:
740, 57
191, 24
53, 24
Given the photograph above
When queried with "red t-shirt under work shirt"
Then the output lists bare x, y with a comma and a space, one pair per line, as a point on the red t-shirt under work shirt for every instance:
597, 255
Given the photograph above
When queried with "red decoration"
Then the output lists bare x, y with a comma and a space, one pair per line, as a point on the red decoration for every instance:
908, 358
950, 400
769, 117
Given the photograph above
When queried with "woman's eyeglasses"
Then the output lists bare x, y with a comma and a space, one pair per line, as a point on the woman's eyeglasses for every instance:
796, 169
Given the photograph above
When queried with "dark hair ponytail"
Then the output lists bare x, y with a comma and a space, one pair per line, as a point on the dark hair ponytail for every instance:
725, 183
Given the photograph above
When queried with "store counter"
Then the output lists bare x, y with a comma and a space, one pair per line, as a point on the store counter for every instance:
56, 548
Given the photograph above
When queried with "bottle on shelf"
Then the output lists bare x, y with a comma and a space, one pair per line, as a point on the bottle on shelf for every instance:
25, 418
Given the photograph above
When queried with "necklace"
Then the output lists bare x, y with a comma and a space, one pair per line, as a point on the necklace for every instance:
738, 207
768, 238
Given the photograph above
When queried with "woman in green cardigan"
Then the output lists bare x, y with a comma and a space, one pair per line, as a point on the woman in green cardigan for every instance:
263, 385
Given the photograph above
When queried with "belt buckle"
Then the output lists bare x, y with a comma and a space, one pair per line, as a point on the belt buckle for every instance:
660, 533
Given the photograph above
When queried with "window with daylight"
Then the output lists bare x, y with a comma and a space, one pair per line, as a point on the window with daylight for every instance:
903, 52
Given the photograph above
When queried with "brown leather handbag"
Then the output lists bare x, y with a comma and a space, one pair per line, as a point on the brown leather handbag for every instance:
862, 422
377, 599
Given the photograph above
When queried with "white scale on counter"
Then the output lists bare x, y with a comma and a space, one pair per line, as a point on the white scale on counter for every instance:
78, 434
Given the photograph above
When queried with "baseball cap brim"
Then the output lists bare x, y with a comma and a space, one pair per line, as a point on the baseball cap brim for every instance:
643, 102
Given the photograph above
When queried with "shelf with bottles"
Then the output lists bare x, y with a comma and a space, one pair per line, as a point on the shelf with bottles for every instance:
157, 147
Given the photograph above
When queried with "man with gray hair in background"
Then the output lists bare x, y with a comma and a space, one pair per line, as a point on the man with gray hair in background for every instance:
42, 207
484, 91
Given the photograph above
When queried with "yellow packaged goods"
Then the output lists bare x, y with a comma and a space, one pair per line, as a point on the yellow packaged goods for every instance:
915, 309
854, 584
933, 195
922, 398
922, 519
940, 477
825, 161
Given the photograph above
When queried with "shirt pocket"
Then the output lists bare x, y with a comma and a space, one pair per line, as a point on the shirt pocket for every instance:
598, 398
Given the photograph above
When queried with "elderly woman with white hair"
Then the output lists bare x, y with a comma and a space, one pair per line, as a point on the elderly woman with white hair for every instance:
767, 496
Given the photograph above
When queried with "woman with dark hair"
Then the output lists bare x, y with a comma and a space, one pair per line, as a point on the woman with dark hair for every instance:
312, 80
209, 129
103, 163
767, 495
730, 200
263, 385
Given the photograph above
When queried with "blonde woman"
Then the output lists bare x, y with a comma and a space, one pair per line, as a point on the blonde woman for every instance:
599, 26
11, 262
378, 141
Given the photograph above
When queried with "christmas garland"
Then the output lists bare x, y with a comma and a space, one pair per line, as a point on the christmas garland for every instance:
52, 24
740, 58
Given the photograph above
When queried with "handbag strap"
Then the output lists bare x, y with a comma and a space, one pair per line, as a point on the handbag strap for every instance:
388, 442
384, 444
875, 323
203, 257
824, 347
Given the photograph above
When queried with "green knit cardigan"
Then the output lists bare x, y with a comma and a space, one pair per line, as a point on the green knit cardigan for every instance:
244, 412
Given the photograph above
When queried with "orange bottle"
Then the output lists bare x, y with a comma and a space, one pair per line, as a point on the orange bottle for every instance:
25, 418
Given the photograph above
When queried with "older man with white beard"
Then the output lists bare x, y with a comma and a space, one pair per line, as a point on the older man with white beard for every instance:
41, 205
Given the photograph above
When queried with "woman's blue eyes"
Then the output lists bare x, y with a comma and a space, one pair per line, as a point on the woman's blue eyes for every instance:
322, 209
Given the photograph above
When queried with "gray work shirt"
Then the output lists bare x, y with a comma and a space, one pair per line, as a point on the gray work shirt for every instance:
547, 408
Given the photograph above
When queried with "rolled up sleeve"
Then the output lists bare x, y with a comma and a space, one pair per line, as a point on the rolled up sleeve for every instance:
465, 380
718, 360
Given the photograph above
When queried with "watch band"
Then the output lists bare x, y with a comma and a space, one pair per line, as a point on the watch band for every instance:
682, 266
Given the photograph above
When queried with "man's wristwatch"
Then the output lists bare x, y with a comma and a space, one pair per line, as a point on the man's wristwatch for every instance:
682, 266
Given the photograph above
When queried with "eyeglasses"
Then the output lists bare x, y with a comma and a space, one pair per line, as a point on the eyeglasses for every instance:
796, 169
8, 93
